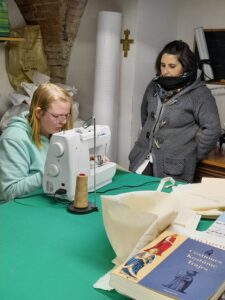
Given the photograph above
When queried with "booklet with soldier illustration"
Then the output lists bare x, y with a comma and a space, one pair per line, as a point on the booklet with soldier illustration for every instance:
172, 267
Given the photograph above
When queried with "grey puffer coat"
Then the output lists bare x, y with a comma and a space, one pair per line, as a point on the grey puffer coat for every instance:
178, 133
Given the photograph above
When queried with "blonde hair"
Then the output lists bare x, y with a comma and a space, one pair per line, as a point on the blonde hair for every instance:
43, 97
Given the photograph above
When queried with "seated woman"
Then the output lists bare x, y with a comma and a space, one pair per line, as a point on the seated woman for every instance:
24, 143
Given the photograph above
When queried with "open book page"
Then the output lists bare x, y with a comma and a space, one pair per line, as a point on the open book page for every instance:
217, 229
214, 235
205, 237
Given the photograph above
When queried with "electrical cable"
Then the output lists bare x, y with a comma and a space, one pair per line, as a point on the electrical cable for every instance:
28, 196
65, 201
126, 186
57, 200
59, 192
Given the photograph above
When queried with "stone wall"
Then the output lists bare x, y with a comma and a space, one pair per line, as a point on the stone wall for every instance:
59, 21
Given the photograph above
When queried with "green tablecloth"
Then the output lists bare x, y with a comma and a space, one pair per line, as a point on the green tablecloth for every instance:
47, 253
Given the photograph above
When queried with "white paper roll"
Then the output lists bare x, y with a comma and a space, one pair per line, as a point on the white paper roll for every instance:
203, 52
106, 84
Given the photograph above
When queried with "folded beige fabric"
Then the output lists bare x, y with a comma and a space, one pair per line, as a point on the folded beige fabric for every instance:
133, 219
159, 225
206, 198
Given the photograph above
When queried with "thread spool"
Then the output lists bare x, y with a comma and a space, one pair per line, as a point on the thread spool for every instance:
80, 205
81, 194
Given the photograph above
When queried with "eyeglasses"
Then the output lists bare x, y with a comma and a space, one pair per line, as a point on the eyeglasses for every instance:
59, 118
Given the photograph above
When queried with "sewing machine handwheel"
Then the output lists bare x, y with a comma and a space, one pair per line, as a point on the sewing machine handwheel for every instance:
57, 149
53, 170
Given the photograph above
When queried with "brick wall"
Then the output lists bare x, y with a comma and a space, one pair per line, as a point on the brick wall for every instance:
59, 21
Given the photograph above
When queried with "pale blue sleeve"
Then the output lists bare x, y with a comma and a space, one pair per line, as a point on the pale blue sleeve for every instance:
15, 177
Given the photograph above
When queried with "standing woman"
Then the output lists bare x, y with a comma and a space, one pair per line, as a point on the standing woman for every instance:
179, 116
24, 143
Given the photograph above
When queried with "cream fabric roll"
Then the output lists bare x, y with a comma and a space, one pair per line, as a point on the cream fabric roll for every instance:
106, 85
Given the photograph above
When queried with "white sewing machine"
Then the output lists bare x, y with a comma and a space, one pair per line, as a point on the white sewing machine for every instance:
69, 154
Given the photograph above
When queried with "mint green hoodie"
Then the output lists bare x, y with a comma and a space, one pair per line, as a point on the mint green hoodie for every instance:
21, 161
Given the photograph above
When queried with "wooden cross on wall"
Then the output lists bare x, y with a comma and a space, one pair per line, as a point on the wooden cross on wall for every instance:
126, 42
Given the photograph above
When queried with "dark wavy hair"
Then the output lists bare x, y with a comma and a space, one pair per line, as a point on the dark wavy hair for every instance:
184, 54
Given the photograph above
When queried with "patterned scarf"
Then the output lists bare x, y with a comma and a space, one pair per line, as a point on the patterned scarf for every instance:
166, 95
170, 86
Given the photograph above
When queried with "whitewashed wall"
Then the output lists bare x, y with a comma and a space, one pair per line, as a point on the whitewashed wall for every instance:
210, 15
156, 26
82, 62
195, 13
127, 81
